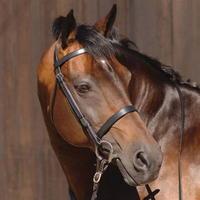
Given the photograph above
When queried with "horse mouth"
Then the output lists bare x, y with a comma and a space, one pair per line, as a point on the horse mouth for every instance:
126, 175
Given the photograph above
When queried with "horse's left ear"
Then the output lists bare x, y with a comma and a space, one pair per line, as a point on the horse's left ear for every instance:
104, 25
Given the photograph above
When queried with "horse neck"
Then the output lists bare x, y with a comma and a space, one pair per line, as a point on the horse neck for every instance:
158, 101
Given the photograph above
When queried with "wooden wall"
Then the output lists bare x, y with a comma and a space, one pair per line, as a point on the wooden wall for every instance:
167, 29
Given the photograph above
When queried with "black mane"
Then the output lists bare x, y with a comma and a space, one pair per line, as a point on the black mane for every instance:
168, 71
99, 46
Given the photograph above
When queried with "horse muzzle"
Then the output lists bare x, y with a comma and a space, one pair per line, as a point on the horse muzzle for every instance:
141, 166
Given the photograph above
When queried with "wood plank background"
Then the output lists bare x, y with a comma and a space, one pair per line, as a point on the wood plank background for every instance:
167, 29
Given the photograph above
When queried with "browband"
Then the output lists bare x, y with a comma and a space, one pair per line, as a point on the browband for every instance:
59, 63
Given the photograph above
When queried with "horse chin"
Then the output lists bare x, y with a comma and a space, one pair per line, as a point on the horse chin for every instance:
128, 179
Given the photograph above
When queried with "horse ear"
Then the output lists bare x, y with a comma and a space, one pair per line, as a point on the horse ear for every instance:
63, 26
104, 25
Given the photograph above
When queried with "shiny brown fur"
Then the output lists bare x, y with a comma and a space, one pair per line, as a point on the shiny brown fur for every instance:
153, 93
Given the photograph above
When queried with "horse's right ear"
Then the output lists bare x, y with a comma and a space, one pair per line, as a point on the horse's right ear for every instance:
63, 26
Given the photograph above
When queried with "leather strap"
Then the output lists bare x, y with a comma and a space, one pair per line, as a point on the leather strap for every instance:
182, 127
87, 128
59, 63
113, 119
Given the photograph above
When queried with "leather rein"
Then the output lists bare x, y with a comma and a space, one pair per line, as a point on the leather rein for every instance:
96, 137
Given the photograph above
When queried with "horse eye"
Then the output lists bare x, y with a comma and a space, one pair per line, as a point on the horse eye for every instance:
82, 88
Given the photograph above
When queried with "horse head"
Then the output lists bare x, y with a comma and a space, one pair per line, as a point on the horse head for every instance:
99, 85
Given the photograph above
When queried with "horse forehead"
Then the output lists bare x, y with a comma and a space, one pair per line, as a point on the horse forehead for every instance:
82, 64
86, 63
72, 46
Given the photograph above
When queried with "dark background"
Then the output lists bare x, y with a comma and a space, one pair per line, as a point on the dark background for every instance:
168, 30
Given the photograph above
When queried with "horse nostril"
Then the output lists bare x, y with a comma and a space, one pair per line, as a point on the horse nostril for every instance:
141, 162
142, 157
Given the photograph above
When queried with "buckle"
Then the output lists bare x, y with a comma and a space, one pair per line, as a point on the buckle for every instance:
101, 167
110, 154
97, 177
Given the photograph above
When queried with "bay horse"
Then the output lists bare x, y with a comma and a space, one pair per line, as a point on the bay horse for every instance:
107, 77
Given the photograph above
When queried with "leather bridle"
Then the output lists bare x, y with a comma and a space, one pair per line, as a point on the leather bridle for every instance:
95, 137
87, 128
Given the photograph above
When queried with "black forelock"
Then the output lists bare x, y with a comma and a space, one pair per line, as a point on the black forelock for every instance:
95, 43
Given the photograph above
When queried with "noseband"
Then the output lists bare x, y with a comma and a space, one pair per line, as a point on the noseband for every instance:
95, 137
